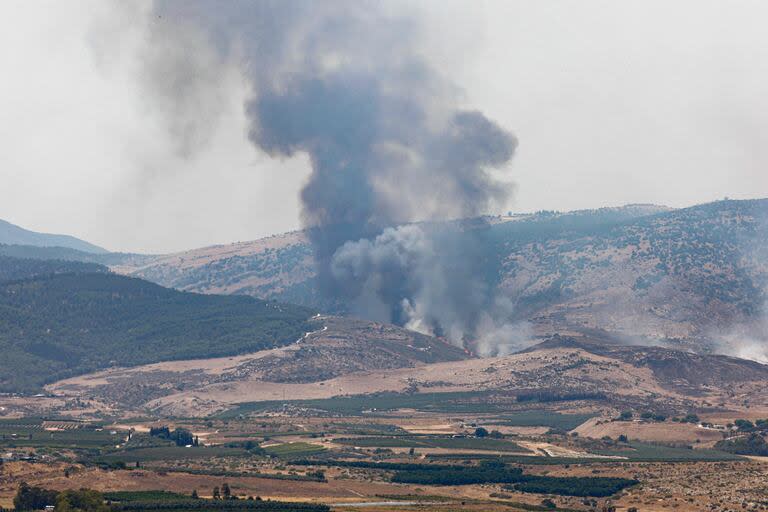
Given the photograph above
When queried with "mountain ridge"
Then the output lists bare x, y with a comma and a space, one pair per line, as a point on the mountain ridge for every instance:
639, 272
11, 234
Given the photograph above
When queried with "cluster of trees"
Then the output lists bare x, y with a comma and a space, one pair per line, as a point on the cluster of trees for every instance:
750, 444
496, 472
33, 498
574, 486
36, 498
181, 436
488, 472
551, 396
225, 493
208, 505
747, 426
688, 418
652, 416
30, 498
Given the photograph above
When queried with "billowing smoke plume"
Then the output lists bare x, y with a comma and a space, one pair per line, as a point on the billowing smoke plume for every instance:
344, 82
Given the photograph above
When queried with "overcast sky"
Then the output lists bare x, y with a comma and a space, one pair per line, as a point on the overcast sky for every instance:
613, 102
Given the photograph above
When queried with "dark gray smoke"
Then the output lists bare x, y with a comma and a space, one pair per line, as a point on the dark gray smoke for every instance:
344, 82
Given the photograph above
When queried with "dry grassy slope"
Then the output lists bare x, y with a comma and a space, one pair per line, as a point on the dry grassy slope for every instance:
684, 372
636, 271
624, 376
262, 268
338, 346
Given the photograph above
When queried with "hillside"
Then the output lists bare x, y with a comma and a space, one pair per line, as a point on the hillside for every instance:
642, 273
10, 234
335, 347
59, 325
566, 371
680, 277
682, 371
276, 266
18, 268
66, 254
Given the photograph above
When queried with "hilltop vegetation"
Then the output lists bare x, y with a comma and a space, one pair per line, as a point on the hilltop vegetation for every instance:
67, 254
54, 326
17, 268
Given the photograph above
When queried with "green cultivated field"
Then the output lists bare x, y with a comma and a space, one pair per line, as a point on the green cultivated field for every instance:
458, 443
652, 452
166, 453
29, 432
289, 450
455, 402
542, 419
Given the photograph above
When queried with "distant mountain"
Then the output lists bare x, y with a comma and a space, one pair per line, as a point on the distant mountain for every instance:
639, 273
58, 325
281, 266
12, 234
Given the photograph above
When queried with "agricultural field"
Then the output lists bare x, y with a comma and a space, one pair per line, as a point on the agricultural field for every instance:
453, 443
452, 402
403, 456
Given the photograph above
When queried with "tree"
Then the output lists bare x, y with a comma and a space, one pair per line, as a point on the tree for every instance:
623, 439
692, 418
225, 491
216, 493
33, 498
84, 500
194, 494
625, 415
481, 432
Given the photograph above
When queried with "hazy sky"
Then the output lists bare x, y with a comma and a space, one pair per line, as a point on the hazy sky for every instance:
613, 102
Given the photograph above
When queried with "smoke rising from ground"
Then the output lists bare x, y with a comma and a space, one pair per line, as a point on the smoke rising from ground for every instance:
748, 337
388, 140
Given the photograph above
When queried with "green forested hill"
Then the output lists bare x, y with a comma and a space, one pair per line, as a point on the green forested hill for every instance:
55, 326
22, 268
34, 252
